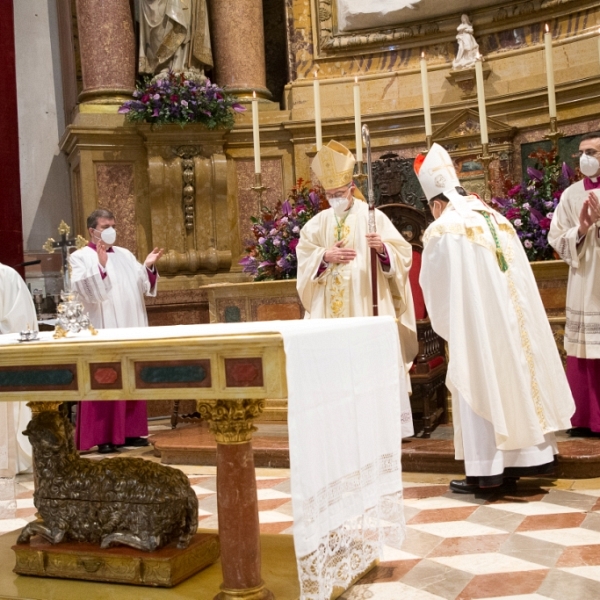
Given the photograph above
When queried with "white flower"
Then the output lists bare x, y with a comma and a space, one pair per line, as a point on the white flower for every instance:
184, 103
526, 206
284, 219
518, 222
273, 232
276, 242
528, 244
296, 229
549, 204
550, 215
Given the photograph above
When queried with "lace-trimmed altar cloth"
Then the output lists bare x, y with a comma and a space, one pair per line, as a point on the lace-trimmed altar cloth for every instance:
344, 392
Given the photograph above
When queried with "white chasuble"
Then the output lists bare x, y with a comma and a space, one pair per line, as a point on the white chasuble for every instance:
345, 290
582, 329
482, 298
17, 312
117, 300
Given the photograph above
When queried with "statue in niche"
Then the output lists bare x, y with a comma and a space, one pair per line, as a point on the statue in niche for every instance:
468, 48
174, 35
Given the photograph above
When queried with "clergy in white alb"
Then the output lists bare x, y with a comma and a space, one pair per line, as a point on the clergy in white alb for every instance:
509, 390
111, 284
17, 313
334, 261
575, 235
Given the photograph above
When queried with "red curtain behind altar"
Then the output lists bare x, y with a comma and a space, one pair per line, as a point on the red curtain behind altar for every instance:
11, 224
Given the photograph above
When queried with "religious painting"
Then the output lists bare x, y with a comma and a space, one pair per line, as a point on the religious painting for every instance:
468, 167
353, 15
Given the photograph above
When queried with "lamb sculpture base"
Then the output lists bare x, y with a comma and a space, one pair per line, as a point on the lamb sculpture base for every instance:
98, 504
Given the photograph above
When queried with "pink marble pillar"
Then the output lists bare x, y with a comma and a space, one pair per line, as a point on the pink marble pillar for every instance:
107, 48
239, 46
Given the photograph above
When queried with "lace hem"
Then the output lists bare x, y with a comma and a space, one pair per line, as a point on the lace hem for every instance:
346, 552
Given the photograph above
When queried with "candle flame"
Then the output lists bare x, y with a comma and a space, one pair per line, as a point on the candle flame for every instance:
423, 54
315, 73
547, 28
356, 79
254, 95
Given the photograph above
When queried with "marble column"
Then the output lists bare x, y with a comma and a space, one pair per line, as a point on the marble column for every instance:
237, 32
231, 422
107, 49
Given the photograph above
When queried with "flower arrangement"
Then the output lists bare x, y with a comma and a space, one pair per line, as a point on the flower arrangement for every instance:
272, 254
176, 98
530, 205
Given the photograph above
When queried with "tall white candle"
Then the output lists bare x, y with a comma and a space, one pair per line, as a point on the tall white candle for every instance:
426, 101
255, 133
317, 95
481, 100
357, 121
550, 72
599, 42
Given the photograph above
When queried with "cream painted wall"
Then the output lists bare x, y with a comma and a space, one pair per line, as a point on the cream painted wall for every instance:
45, 188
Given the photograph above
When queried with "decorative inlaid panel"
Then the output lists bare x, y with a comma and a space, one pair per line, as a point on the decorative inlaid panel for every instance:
38, 378
106, 376
173, 374
244, 372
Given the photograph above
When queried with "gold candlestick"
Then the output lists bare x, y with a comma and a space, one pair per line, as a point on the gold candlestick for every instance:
259, 189
486, 158
554, 134
429, 141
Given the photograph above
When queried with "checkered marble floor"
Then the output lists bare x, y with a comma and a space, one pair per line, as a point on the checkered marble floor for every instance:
540, 541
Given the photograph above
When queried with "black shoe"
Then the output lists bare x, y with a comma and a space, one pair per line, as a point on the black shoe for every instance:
106, 448
464, 486
138, 442
584, 432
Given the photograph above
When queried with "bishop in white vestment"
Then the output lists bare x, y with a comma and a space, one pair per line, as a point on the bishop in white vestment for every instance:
17, 313
575, 235
509, 390
111, 284
334, 261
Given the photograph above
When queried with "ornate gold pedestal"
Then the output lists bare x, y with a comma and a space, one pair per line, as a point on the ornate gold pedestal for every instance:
163, 568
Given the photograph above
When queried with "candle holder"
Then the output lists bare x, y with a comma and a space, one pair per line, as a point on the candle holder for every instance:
554, 134
429, 142
258, 188
486, 158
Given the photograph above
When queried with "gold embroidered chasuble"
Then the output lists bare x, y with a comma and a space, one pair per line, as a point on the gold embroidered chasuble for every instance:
503, 358
345, 290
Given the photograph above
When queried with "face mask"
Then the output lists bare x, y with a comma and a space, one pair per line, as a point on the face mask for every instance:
339, 205
589, 165
109, 235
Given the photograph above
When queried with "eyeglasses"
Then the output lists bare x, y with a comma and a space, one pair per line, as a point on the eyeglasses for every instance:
588, 152
339, 194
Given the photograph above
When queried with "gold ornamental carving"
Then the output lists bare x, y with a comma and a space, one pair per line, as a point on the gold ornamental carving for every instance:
231, 421
188, 175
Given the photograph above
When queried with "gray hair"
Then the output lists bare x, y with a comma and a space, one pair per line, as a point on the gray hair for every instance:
99, 213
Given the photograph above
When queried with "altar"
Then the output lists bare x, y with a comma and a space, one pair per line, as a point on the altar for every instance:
230, 369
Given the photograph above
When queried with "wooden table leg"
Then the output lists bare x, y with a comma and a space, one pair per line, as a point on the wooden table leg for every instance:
231, 421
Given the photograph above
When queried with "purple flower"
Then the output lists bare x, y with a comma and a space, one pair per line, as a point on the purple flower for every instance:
238, 107
567, 172
124, 109
261, 240
518, 222
276, 242
286, 208
296, 229
528, 244
535, 174
184, 103
273, 232
156, 97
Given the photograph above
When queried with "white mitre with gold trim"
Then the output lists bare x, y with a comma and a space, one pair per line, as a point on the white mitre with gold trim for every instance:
333, 165
436, 172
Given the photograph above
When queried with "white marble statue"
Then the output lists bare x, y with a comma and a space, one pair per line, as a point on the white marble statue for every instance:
174, 35
468, 48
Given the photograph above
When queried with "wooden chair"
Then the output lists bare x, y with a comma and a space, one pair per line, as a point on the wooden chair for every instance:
428, 373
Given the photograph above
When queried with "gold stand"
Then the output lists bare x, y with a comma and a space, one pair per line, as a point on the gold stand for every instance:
429, 141
554, 134
486, 158
259, 189
360, 177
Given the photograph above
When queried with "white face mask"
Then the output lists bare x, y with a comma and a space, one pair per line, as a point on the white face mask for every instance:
339, 205
589, 165
108, 235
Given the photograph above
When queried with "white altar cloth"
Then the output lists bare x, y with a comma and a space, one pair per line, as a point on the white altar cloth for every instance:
344, 406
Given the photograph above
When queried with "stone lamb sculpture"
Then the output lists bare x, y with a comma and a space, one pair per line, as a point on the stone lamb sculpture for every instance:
129, 501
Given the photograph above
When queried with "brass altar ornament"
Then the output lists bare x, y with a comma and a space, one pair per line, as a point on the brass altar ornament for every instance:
114, 501
28, 335
71, 317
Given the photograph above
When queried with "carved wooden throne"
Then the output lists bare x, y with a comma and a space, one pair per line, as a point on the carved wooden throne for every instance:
399, 196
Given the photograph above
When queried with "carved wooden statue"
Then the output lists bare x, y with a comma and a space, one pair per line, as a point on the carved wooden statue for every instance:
127, 501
